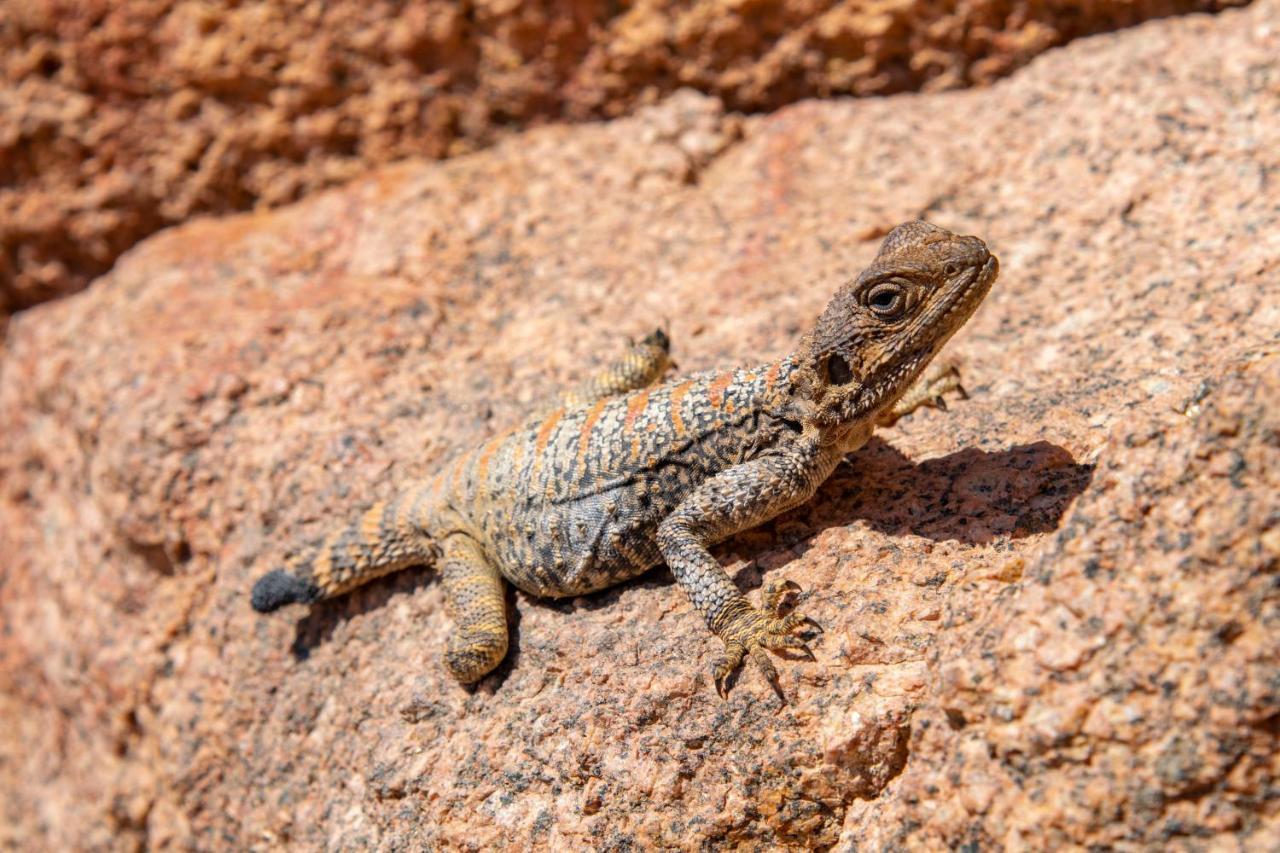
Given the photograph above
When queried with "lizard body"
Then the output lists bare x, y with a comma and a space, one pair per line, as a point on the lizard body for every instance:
624, 474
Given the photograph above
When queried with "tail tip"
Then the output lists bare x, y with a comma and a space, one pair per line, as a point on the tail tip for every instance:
277, 588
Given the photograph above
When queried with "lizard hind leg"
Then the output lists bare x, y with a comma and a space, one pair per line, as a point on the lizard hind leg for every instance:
643, 364
475, 595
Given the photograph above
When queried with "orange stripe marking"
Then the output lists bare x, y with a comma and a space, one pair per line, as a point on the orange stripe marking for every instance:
486, 454
490, 447
455, 478
371, 524
772, 376
322, 568
544, 434
584, 435
717, 388
677, 397
635, 406
589, 423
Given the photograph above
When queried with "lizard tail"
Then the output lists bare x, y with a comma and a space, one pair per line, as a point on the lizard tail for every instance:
385, 539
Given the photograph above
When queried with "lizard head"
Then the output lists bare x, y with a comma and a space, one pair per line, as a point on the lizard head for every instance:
879, 331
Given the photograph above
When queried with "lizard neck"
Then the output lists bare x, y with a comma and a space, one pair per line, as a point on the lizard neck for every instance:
779, 399
785, 401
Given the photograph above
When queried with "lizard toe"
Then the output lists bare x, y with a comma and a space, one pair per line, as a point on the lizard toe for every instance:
787, 641
789, 623
775, 595
734, 651
770, 672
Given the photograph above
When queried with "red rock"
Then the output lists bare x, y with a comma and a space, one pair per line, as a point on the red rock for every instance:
1096, 526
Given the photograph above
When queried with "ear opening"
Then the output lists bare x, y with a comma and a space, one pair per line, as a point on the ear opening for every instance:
838, 370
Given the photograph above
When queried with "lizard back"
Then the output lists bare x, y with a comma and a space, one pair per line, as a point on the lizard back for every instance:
569, 503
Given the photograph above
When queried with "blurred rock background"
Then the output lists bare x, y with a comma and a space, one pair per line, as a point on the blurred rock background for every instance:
120, 118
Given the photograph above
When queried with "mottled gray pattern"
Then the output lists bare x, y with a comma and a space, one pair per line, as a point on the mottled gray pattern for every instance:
572, 502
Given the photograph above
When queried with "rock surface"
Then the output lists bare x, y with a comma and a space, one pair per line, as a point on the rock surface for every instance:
120, 118
1051, 612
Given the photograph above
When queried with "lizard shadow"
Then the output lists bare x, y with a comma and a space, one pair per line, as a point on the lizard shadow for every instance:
971, 496
323, 617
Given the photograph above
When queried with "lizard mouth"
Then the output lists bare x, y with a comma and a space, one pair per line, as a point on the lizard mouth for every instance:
965, 296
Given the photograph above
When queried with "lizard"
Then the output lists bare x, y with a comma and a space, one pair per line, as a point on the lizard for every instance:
626, 473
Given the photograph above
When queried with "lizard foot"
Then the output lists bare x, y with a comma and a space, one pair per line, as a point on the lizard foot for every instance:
752, 631
928, 392
942, 380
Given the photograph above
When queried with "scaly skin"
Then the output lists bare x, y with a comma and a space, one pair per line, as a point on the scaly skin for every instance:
623, 476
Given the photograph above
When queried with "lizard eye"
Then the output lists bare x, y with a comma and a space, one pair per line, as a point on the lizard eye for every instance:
951, 269
838, 371
886, 300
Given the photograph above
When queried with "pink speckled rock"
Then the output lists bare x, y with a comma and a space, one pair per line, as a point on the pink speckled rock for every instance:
1051, 612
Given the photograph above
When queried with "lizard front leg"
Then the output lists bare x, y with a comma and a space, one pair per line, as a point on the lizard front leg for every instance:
734, 500
641, 366
474, 595
927, 392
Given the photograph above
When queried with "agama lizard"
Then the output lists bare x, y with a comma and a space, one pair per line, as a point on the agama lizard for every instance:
624, 475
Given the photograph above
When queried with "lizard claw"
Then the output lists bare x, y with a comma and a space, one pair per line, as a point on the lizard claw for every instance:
756, 630
814, 624
734, 651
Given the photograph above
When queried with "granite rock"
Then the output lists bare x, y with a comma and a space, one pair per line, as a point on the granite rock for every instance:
1051, 611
